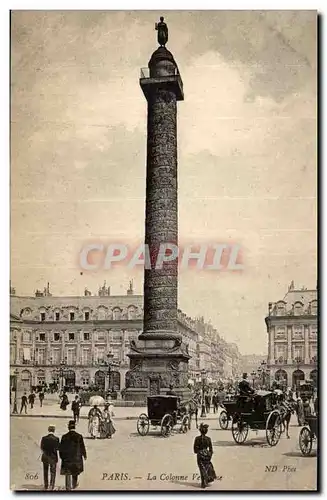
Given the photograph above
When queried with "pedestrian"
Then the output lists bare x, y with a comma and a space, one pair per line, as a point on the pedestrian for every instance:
31, 399
107, 428
207, 401
41, 397
24, 403
306, 409
50, 446
64, 401
215, 401
203, 449
72, 452
94, 418
300, 412
76, 407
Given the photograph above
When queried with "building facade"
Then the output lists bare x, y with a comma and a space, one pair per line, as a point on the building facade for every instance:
66, 340
292, 337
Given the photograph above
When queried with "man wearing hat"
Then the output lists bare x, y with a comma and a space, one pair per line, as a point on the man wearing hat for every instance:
244, 386
49, 446
72, 451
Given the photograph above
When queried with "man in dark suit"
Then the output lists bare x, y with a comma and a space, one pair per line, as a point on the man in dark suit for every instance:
24, 403
244, 386
49, 447
76, 407
72, 451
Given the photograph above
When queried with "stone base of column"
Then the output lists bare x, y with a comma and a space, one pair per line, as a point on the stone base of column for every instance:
155, 364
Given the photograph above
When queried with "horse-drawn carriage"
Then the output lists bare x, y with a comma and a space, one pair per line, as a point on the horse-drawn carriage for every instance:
164, 412
257, 412
308, 434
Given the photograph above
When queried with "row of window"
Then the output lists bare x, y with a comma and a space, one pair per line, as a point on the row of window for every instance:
76, 336
116, 315
297, 309
40, 355
280, 351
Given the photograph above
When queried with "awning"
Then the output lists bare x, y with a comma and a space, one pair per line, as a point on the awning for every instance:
27, 354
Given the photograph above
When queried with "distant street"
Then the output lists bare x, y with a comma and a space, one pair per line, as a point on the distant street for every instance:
152, 462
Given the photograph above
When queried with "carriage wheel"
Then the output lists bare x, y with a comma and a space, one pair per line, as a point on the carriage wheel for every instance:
167, 425
273, 428
185, 425
240, 430
143, 424
223, 420
305, 441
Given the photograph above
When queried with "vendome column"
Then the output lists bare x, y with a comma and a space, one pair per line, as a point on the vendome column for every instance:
159, 358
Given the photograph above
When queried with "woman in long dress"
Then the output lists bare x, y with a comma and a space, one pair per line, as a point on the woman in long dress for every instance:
203, 449
106, 428
94, 417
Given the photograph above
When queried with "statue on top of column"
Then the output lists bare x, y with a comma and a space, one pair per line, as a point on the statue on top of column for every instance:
162, 32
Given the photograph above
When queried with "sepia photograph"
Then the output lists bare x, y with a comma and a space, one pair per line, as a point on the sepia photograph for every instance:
163, 250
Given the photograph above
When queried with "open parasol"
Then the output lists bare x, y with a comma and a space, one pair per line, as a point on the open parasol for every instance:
96, 400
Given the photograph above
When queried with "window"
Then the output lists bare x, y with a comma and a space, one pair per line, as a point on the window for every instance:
86, 356
131, 312
42, 316
56, 356
99, 354
42, 337
56, 336
116, 314
101, 336
280, 309
313, 351
71, 316
86, 336
314, 308
26, 337
12, 354
87, 316
40, 356
280, 332
297, 309
57, 316
280, 352
71, 336
71, 356
298, 332
298, 353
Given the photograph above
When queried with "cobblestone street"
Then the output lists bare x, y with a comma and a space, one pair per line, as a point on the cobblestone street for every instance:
152, 462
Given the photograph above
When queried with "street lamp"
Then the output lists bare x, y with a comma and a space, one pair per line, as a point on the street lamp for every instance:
260, 374
264, 371
16, 372
110, 358
253, 374
61, 374
203, 407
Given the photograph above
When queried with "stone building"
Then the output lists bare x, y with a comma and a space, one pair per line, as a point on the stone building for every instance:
67, 339
292, 336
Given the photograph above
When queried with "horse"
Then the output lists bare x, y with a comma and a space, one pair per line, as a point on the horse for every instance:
190, 408
286, 411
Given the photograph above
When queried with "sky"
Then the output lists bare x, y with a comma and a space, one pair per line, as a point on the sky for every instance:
247, 160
